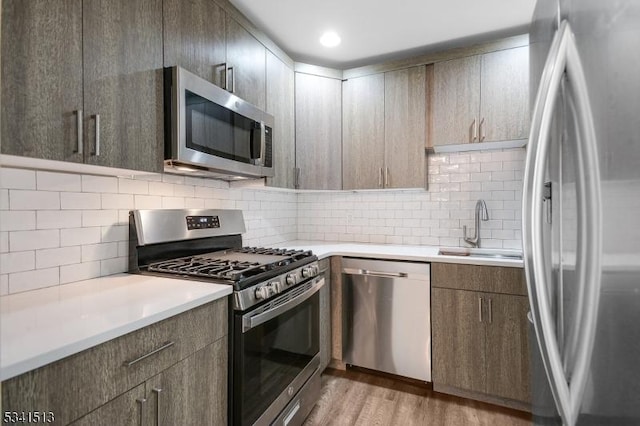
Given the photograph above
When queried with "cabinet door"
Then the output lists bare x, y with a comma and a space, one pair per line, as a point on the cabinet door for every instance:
193, 391
505, 95
318, 131
458, 339
194, 38
456, 101
123, 83
404, 128
127, 409
280, 104
508, 347
325, 316
41, 78
248, 58
363, 132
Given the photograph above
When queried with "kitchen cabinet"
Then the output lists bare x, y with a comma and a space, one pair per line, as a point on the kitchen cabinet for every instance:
404, 128
363, 132
246, 65
116, 380
195, 38
318, 132
480, 333
481, 98
384, 130
84, 82
280, 104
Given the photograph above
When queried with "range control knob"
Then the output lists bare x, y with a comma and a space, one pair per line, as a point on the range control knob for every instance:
275, 287
291, 279
307, 272
263, 292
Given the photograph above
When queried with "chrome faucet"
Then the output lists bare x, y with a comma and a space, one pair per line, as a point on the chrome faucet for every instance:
481, 207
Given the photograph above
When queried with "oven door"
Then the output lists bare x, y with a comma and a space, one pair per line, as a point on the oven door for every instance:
276, 350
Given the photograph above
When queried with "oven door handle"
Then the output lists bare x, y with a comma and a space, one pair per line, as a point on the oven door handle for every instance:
252, 320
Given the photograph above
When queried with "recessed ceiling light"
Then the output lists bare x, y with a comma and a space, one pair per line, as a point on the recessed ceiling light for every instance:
330, 39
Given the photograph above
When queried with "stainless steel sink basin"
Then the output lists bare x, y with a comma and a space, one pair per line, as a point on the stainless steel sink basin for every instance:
488, 253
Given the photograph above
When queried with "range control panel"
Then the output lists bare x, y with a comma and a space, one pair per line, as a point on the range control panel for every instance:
202, 222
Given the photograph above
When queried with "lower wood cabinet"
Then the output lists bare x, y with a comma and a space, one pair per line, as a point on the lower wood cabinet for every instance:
325, 314
480, 338
171, 372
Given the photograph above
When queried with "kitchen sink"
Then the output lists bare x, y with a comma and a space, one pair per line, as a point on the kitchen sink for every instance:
488, 253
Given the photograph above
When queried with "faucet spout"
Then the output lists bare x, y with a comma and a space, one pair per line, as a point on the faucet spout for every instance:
481, 213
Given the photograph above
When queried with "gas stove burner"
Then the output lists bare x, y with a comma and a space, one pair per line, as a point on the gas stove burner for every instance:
235, 265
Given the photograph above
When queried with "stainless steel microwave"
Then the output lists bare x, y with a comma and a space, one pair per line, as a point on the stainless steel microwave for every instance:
209, 131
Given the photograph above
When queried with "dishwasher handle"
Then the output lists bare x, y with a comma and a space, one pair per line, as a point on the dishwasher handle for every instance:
375, 273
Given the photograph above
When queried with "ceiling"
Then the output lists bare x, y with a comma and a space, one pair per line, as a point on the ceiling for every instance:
375, 30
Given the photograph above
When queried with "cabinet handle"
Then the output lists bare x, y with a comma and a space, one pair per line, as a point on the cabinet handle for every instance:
380, 177
231, 71
166, 345
141, 401
474, 130
79, 131
157, 391
386, 177
97, 150
224, 81
480, 309
297, 177
482, 135
490, 312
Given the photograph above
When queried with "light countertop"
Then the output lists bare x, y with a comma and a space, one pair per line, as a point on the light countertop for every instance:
324, 249
42, 326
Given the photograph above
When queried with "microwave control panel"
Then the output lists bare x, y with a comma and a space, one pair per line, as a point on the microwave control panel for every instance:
202, 222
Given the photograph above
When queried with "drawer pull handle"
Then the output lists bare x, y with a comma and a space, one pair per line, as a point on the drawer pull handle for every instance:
141, 401
157, 392
167, 345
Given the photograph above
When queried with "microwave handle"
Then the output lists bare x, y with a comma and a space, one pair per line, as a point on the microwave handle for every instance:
258, 144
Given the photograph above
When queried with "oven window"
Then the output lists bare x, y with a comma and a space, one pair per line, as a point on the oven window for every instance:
215, 130
269, 356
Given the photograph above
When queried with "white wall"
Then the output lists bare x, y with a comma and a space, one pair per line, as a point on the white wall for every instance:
57, 228
435, 217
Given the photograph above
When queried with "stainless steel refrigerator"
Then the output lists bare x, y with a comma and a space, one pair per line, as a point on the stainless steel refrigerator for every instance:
581, 212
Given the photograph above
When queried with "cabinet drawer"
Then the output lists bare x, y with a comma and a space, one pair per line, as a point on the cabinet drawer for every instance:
492, 279
80, 383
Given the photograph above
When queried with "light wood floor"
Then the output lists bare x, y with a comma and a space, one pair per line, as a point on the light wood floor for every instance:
359, 398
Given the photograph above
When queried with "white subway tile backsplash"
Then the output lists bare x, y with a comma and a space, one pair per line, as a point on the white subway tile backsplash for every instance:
31, 280
184, 191
15, 220
173, 203
115, 233
100, 184
4, 199
162, 188
117, 201
103, 251
79, 272
99, 218
194, 203
132, 186
33, 240
57, 219
50, 181
17, 178
17, 261
79, 201
48, 258
4, 242
114, 266
33, 200
79, 236
4, 285
147, 202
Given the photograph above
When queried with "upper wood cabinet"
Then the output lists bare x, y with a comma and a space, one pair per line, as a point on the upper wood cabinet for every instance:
404, 128
384, 133
246, 65
280, 104
318, 132
195, 38
482, 98
97, 62
363, 132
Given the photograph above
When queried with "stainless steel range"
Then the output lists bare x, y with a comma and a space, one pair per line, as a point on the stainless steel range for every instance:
274, 321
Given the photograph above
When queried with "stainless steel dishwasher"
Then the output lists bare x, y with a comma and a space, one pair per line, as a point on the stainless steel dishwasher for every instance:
387, 316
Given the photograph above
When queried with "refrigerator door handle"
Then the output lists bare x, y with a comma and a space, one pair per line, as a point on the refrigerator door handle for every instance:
567, 391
